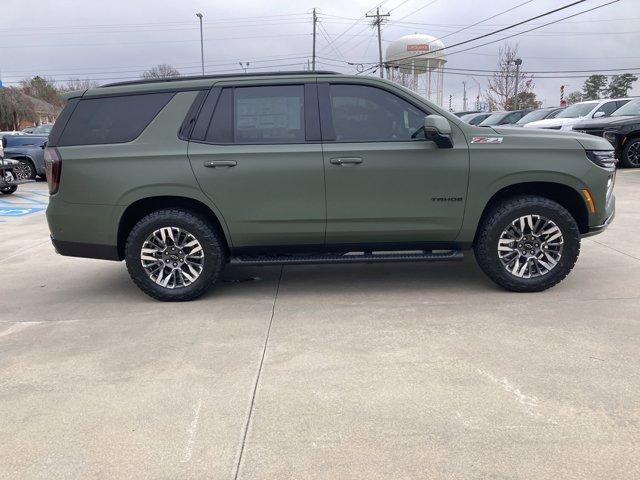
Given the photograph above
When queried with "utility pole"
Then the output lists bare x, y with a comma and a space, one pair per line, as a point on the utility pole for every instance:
478, 97
464, 96
378, 22
313, 56
199, 15
518, 62
244, 66
451, 103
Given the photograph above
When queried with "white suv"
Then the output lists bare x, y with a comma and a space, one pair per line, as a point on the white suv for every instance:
577, 112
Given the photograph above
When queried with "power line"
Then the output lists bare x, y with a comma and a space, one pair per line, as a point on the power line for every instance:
488, 18
550, 12
538, 27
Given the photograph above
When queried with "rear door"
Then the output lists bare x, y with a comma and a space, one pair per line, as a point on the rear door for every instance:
257, 155
383, 186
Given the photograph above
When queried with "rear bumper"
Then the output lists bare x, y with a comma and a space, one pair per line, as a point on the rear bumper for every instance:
85, 250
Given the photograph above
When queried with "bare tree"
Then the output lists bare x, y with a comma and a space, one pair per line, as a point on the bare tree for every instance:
160, 71
500, 93
75, 84
15, 107
42, 88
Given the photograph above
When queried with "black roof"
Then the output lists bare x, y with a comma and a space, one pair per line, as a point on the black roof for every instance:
223, 75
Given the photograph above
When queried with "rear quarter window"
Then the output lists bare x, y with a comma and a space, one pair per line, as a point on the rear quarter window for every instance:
106, 120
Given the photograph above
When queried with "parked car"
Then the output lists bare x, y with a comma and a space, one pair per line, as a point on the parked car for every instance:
29, 149
180, 177
539, 114
504, 118
475, 118
578, 112
465, 112
44, 129
621, 129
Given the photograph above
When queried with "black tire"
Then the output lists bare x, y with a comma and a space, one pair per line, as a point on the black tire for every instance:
500, 217
8, 190
201, 229
633, 160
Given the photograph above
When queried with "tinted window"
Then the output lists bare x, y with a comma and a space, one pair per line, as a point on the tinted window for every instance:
270, 114
362, 114
221, 126
112, 119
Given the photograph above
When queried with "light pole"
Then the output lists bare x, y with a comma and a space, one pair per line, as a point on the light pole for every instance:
518, 62
199, 15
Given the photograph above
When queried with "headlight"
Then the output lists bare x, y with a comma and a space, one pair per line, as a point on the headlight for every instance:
610, 137
603, 158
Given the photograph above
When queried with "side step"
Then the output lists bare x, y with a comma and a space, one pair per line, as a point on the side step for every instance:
351, 257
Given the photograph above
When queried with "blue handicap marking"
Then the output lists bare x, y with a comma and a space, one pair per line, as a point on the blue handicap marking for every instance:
18, 212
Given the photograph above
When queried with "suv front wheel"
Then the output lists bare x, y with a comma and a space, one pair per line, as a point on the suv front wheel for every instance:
174, 255
527, 243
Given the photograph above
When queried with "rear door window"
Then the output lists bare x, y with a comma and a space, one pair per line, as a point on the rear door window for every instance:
107, 120
269, 114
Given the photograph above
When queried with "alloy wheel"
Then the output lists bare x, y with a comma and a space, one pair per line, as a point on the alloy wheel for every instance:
633, 153
530, 246
172, 257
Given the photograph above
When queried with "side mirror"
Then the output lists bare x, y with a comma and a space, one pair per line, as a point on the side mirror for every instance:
438, 130
4, 142
598, 114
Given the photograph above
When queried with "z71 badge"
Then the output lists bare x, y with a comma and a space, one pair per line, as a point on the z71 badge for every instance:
486, 140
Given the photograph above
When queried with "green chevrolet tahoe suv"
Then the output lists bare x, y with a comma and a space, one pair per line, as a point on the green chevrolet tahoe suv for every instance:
180, 177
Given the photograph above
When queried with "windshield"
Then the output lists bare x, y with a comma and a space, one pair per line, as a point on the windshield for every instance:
533, 116
628, 109
494, 118
24, 140
577, 110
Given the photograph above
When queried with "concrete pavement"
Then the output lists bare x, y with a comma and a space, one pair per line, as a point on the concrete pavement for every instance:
343, 371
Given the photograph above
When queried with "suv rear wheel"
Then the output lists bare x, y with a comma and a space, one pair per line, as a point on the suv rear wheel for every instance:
527, 244
174, 255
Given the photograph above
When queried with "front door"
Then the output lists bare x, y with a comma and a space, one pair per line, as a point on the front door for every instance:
383, 186
259, 159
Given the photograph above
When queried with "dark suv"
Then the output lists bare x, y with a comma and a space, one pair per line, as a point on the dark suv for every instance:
181, 177
622, 129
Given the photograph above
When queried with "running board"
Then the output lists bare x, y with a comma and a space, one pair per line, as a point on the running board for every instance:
351, 257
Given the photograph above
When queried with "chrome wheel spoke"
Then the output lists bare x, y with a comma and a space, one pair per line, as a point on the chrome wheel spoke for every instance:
172, 257
530, 246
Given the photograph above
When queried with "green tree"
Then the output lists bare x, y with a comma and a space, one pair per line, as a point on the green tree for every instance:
42, 88
574, 97
526, 99
15, 107
594, 87
619, 85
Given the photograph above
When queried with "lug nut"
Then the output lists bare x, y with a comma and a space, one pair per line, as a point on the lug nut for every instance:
175, 264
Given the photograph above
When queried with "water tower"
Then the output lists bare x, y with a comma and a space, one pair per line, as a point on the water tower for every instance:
417, 61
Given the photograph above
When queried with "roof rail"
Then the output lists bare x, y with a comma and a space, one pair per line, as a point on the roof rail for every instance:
223, 75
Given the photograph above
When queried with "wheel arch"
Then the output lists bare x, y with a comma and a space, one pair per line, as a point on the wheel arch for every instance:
138, 209
560, 193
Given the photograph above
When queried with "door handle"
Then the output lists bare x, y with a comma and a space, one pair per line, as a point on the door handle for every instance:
346, 161
220, 163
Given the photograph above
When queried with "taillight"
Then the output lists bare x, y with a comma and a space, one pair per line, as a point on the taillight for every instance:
53, 163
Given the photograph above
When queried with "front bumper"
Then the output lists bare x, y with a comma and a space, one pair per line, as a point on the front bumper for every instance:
596, 229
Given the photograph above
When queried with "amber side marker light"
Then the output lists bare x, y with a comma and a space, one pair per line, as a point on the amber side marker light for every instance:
589, 199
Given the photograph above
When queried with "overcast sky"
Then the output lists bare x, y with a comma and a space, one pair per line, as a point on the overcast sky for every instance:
118, 39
